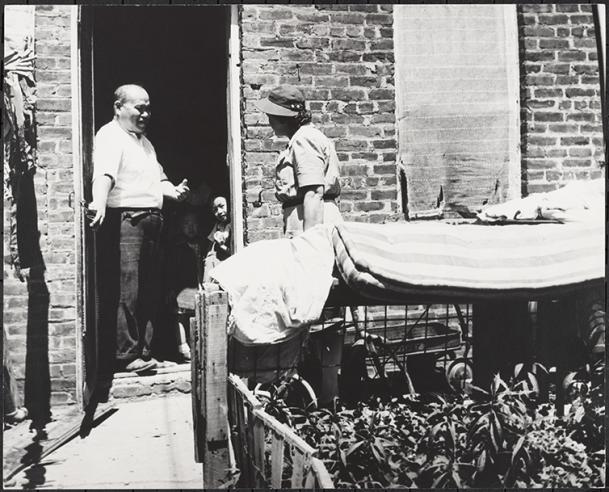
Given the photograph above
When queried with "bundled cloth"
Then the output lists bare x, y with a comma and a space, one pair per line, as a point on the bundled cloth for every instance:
469, 261
576, 202
277, 287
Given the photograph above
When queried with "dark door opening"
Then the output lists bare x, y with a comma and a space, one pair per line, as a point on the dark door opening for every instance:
179, 55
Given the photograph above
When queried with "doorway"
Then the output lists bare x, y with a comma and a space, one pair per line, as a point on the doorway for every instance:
179, 55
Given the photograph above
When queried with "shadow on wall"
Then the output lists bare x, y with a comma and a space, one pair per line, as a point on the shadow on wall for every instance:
37, 386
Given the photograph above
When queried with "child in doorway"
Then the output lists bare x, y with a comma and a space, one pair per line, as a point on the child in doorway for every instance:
219, 239
184, 275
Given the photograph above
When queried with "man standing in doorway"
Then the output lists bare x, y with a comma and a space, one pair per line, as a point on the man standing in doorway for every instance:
129, 186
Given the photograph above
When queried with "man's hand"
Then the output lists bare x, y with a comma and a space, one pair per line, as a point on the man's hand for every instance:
96, 214
182, 191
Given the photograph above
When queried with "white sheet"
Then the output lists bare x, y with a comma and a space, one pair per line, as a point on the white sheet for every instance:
277, 287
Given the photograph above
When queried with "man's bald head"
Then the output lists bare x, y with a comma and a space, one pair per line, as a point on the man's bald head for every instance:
132, 108
128, 92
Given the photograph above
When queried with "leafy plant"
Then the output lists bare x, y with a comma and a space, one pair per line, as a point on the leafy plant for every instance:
503, 436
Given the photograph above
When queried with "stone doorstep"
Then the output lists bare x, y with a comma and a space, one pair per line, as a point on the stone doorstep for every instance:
165, 379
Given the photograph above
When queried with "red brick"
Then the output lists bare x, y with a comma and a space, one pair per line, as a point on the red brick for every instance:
558, 68
379, 57
576, 163
571, 55
541, 32
557, 44
312, 16
528, 68
345, 56
589, 117
580, 152
545, 8
348, 94
536, 104
49, 49
351, 69
287, 42
348, 44
582, 19
545, 80
567, 7
584, 43
553, 19
383, 194
347, 18
539, 163
563, 128
382, 93
538, 140
574, 140
548, 116
275, 14
59, 104
554, 92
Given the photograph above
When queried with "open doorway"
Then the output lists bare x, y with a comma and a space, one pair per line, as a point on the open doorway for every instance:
179, 55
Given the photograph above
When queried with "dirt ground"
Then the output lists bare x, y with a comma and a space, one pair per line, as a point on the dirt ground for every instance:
144, 444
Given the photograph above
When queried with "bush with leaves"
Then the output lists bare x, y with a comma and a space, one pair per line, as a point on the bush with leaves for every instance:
505, 436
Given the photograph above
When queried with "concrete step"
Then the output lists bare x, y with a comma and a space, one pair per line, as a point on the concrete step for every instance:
166, 378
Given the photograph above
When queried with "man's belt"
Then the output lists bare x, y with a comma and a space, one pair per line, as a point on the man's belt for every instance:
299, 201
135, 211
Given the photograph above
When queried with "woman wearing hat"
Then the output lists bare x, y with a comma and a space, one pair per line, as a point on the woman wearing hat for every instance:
307, 184
307, 174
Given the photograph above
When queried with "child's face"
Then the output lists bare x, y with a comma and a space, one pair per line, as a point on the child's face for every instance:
190, 226
220, 210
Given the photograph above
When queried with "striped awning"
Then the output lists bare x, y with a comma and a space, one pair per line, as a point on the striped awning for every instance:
391, 261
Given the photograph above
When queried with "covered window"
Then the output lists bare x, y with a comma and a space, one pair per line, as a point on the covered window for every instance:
458, 105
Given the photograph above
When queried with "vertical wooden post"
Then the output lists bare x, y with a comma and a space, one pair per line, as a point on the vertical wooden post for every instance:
195, 379
212, 312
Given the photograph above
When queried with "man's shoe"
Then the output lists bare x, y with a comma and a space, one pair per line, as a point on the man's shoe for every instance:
16, 417
141, 365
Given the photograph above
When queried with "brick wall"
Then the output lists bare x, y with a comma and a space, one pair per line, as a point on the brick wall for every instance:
561, 130
341, 56
41, 317
56, 216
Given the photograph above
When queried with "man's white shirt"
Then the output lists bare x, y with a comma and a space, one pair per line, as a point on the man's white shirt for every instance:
132, 163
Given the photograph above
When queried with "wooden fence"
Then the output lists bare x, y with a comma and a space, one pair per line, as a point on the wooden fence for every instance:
269, 453
266, 452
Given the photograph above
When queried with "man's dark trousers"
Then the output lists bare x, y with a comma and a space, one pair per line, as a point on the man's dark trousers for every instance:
129, 284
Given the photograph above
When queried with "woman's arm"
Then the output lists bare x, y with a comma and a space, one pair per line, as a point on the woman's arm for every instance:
313, 209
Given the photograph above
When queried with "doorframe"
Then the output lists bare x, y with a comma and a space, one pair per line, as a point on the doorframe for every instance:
233, 154
77, 154
234, 162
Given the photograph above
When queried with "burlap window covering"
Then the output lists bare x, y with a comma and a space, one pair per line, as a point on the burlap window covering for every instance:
457, 103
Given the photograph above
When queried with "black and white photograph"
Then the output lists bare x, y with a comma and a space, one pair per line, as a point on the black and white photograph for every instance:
304, 246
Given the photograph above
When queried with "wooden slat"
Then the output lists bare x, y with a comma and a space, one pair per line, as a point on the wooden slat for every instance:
323, 480
214, 313
195, 385
258, 452
298, 465
288, 434
277, 448
249, 446
242, 432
